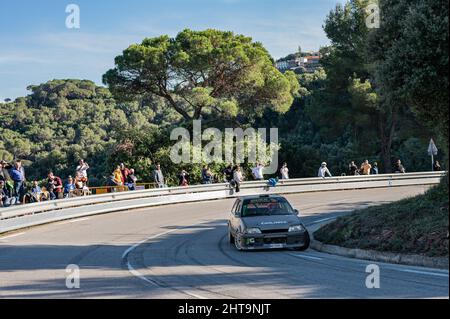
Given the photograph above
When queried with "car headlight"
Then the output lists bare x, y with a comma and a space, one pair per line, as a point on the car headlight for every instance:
253, 231
296, 228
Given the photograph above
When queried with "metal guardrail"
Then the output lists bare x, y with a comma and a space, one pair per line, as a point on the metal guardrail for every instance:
44, 212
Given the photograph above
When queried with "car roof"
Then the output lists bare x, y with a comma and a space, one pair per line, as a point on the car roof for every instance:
260, 196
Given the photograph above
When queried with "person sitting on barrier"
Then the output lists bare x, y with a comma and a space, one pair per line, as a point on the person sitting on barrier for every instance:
228, 173
272, 182
125, 172
117, 176
238, 178
398, 167
436, 166
207, 175
55, 186
366, 168
183, 178
35, 194
353, 169
324, 171
131, 180
69, 187
374, 169
6, 197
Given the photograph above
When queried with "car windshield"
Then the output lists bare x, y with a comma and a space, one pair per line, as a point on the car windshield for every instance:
266, 207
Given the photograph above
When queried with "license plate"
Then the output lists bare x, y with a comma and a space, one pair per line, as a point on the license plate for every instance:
276, 246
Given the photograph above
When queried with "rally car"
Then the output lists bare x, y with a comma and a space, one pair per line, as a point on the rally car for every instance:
265, 222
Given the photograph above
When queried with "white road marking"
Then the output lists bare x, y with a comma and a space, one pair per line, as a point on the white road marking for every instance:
136, 273
429, 273
11, 236
306, 256
73, 221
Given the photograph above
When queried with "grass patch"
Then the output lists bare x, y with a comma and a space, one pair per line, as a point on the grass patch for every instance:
417, 225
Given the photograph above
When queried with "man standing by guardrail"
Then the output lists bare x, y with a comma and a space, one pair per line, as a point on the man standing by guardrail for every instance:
17, 174
158, 176
324, 171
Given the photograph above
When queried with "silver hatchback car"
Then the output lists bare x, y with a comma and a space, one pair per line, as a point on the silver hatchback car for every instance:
266, 222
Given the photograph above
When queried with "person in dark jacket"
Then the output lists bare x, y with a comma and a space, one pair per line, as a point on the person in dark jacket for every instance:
55, 186
183, 178
436, 166
374, 169
17, 174
131, 180
228, 173
353, 169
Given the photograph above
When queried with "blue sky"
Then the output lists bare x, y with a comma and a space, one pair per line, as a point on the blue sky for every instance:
36, 46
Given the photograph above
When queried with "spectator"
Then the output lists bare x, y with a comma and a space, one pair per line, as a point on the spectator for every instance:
257, 172
17, 174
70, 187
35, 193
82, 170
183, 178
366, 168
131, 180
3, 172
284, 171
353, 168
125, 172
118, 177
374, 170
323, 171
237, 178
55, 187
158, 176
6, 197
79, 181
398, 167
207, 175
436, 166
228, 173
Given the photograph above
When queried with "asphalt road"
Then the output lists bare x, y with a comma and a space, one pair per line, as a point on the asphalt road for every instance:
181, 251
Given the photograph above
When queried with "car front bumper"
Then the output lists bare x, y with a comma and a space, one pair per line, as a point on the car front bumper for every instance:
274, 240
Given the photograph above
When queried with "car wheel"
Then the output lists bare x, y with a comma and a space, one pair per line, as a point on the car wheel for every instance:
306, 244
238, 241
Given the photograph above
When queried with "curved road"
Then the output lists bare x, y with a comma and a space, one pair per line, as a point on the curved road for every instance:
181, 251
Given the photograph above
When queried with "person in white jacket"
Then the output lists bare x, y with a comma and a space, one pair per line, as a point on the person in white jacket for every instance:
237, 177
323, 171
284, 170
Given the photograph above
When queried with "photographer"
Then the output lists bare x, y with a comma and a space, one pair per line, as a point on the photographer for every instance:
55, 186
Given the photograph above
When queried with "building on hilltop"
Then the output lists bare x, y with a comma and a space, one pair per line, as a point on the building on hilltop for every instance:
304, 64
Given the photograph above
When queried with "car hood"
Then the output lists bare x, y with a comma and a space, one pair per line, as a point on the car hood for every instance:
271, 222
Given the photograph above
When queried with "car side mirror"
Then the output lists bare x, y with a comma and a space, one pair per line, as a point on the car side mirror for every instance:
296, 212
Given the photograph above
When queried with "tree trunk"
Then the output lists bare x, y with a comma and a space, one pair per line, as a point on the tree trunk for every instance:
387, 130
